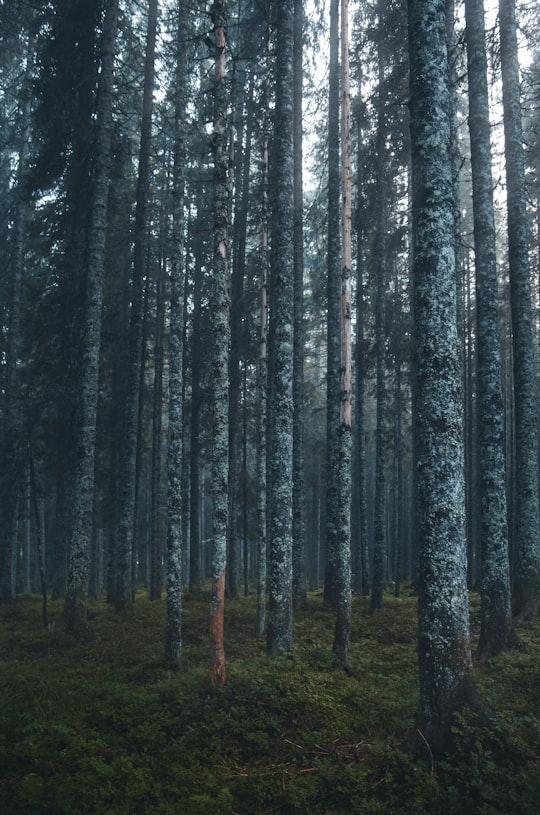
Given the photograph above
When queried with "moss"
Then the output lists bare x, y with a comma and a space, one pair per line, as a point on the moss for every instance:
104, 726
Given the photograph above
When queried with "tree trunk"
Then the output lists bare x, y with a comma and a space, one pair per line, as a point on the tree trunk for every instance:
219, 309
299, 524
280, 444
174, 572
445, 663
128, 479
343, 550
333, 383
496, 612
378, 577
75, 606
527, 545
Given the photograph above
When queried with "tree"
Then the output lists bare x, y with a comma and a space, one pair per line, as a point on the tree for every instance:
496, 600
75, 606
173, 629
343, 551
299, 531
219, 309
126, 516
445, 663
280, 439
526, 584
378, 577
333, 314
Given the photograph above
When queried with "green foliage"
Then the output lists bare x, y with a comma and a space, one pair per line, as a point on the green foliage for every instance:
103, 726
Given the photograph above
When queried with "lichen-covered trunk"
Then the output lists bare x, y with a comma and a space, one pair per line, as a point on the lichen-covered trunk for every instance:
333, 337
156, 547
299, 524
378, 577
527, 543
343, 542
445, 663
359, 531
128, 478
75, 605
219, 356
280, 445
496, 612
174, 556
262, 384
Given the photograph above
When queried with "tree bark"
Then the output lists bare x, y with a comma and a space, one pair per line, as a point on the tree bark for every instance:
527, 544
445, 663
496, 614
280, 445
126, 519
219, 309
75, 606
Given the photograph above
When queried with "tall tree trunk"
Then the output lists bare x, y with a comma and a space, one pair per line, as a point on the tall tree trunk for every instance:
219, 306
359, 529
445, 663
9, 429
156, 548
333, 383
126, 520
343, 551
280, 444
75, 605
262, 385
174, 572
527, 545
299, 530
496, 611
379, 262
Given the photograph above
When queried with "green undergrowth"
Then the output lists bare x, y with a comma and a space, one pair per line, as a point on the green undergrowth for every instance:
103, 727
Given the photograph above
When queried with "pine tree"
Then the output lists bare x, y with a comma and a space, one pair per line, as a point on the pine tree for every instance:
280, 440
445, 663
219, 306
496, 600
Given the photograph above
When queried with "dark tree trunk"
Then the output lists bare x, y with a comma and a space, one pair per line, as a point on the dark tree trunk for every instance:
527, 547
128, 478
75, 606
174, 571
280, 442
496, 599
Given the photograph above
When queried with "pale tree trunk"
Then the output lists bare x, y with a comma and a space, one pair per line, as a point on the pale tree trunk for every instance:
219, 306
445, 662
280, 443
299, 524
527, 544
128, 476
75, 605
174, 573
496, 611
333, 383
343, 548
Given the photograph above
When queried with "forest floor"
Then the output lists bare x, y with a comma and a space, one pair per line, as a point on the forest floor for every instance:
101, 727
